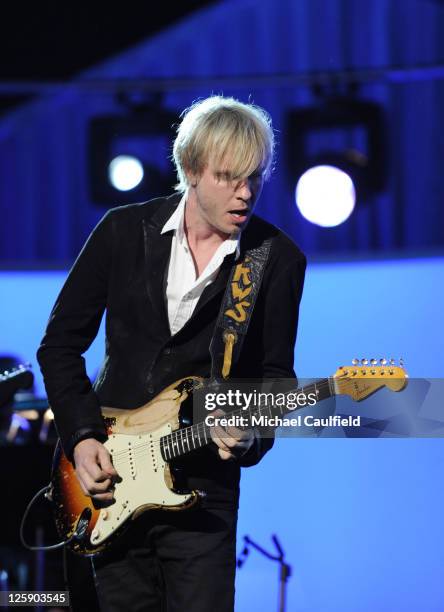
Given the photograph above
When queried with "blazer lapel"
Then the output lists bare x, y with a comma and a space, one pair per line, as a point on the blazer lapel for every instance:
157, 248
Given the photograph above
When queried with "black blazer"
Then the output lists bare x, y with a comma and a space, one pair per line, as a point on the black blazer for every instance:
123, 268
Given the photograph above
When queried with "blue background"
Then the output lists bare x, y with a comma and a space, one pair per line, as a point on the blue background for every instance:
360, 520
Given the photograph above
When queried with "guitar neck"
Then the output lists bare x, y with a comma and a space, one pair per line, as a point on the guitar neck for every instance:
183, 441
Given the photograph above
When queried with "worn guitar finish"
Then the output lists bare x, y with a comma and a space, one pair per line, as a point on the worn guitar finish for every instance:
142, 443
147, 482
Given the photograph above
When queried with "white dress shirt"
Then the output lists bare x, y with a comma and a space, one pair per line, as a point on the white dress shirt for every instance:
184, 288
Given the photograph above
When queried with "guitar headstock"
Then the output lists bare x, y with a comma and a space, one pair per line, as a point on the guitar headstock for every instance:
366, 376
19, 377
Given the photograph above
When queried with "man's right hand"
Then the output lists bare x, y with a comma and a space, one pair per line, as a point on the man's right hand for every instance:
94, 470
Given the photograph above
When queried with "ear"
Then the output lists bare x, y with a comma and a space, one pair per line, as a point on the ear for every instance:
192, 177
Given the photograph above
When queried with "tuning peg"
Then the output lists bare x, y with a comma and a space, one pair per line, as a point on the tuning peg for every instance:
401, 362
392, 361
364, 361
355, 361
373, 362
383, 361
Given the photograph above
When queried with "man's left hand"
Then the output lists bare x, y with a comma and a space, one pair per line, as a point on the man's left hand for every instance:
232, 442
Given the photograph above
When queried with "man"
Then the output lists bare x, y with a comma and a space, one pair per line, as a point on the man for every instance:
161, 269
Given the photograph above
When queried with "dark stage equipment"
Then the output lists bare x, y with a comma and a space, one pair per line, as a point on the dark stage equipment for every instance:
129, 153
284, 567
336, 156
11, 380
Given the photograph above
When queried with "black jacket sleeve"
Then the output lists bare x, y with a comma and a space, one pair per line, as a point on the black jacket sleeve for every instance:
283, 296
73, 324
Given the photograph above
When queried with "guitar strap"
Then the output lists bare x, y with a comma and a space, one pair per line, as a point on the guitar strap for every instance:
236, 310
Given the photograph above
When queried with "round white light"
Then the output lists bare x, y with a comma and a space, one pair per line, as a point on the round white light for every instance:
125, 172
325, 195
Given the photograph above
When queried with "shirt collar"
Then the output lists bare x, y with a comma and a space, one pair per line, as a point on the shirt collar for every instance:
176, 223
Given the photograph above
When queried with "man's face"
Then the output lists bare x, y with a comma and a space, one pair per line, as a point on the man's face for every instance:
226, 204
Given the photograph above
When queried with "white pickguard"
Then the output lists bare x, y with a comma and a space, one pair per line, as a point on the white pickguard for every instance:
138, 461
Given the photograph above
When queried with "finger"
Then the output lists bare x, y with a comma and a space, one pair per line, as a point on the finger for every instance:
222, 434
91, 466
221, 444
215, 431
101, 497
100, 487
225, 455
230, 443
92, 486
219, 437
239, 434
105, 462
231, 432
101, 501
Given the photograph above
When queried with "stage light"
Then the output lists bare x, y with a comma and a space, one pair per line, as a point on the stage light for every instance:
325, 195
125, 172
129, 155
336, 157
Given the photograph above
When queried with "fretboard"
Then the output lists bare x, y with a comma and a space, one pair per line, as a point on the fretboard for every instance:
186, 440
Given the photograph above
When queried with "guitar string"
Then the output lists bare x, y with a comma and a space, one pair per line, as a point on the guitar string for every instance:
201, 425
182, 437
200, 431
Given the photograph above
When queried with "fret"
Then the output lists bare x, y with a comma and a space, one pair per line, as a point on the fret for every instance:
178, 436
183, 441
175, 444
187, 438
170, 446
164, 447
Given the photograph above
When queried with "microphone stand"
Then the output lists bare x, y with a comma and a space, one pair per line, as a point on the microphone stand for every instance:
284, 568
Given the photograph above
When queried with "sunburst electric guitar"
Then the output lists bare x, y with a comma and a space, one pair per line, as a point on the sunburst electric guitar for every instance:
143, 442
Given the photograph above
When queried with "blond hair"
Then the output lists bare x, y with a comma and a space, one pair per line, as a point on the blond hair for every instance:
237, 138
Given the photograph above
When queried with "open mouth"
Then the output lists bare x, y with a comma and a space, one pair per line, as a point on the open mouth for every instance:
239, 215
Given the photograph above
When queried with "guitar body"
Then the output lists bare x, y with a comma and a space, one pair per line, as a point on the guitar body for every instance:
147, 480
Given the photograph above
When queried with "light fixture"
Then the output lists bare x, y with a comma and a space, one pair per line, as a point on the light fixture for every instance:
335, 157
325, 195
125, 172
129, 154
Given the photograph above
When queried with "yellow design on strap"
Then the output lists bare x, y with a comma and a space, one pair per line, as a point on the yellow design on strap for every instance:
230, 338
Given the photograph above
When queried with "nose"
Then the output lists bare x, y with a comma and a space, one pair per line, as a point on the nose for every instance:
245, 189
